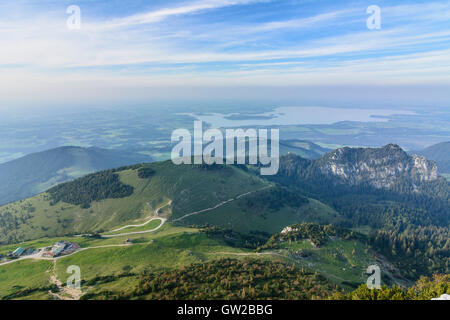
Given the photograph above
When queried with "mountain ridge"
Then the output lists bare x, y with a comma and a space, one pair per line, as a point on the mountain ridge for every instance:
37, 172
385, 168
379, 167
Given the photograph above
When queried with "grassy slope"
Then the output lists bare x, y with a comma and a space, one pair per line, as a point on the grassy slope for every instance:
169, 247
190, 189
23, 274
336, 259
170, 251
234, 215
341, 261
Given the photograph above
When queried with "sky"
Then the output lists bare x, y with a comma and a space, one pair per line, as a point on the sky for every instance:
137, 50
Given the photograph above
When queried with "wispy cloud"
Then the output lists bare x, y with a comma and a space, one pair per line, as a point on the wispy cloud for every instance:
223, 42
162, 14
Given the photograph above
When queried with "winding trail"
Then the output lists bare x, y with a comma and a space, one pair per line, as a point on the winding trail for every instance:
163, 220
249, 253
220, 204
145, 223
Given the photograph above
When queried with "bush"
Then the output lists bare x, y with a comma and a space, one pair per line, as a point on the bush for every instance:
145, 172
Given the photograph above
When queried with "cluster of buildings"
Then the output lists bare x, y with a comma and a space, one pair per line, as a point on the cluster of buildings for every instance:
60, 248
20, 252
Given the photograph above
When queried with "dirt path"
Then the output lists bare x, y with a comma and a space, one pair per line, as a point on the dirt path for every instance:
163, 220
137, 232
219, 205
147, 222
64, 293
249, 253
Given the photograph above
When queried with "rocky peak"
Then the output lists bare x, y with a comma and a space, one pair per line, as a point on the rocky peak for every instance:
379, 167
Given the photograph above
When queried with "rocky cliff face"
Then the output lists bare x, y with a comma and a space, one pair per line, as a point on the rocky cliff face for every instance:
378, 167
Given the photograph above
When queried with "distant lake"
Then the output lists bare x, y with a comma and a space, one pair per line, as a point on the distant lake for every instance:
298, 116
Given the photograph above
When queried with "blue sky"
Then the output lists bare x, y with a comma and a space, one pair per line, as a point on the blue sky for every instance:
129, 48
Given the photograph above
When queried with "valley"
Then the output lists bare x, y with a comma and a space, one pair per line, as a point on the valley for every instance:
158, 218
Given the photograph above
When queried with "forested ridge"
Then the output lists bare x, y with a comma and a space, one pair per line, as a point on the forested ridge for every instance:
274, 199
93, 187
415, 250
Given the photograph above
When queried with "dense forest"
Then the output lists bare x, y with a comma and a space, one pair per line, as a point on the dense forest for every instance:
93, 187
252, 240
229, 279
415, 250
145, 172
252, 279
273, 199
